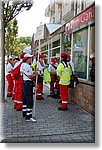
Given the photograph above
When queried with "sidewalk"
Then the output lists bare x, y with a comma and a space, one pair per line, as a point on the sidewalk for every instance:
53, 126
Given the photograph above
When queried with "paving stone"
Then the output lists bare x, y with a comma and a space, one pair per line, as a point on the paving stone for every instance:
72, 126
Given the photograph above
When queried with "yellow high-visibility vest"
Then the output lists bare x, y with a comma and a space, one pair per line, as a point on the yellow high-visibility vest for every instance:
64, 72
33, 67
47, 77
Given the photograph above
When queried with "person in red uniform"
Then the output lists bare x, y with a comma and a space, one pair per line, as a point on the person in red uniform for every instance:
27, 87
18, 84
64, 71
52, 69
40, 70
9, 68
13, 93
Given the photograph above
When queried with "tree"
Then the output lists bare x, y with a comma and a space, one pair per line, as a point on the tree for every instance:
26, 40
9, 10
13, 7
14, 45
11, 37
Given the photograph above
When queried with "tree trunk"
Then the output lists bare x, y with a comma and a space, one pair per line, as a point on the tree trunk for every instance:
2, 56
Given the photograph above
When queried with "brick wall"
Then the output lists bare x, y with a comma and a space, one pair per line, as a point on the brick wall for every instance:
84, 96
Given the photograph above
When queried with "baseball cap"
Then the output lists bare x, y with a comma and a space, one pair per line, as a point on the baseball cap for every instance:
26, 56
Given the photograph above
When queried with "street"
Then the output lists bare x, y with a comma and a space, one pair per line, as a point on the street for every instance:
53, 126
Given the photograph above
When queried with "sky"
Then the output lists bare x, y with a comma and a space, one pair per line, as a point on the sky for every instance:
29, 20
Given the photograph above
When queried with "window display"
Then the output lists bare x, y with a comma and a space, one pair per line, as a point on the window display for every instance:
79, 53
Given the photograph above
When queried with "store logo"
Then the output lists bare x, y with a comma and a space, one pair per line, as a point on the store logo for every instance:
87, 16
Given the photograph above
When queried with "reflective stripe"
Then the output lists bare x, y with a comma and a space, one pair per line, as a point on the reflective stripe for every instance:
64, 81
19, 102
9, 92
59, 71
24, 109
47, 79
29, 113
29, 109
15, 101
39, 94
66, 72
24, 106
64, 102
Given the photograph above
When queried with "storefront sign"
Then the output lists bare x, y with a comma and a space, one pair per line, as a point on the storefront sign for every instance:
81, 19
40, 32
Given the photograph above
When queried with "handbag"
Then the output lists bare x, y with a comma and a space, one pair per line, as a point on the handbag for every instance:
73, 79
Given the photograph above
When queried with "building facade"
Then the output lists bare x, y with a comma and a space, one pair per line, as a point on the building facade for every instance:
75, 35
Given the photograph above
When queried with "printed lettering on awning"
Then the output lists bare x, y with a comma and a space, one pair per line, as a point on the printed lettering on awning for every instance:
81, 19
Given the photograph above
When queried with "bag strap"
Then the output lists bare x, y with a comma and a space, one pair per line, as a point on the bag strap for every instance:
25, 75
64, 64
71, 68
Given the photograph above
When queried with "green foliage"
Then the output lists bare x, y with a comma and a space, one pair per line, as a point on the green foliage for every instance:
26, 40
11, 37
14, 45
13, 7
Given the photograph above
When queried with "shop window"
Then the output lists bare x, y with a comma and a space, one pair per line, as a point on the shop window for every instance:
66, 43
92, 55
55, 52
79, 52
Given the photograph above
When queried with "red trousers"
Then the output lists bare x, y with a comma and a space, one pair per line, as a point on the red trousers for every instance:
10, 85
18, 94
64, 96
13, 92
52, 83
39, 91
51, 87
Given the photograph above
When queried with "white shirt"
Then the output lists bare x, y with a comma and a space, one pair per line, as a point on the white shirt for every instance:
26, 69
9, 67
40, 68
51, 69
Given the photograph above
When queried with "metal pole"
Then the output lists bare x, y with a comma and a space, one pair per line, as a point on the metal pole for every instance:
88, 52
36, 82
48, 53
60, 44
71, 46
51, 48
2, 55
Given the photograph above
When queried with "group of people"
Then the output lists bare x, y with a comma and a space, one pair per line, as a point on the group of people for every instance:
22, 76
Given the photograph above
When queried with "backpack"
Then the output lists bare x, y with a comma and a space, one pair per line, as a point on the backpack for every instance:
55, 93
73, 79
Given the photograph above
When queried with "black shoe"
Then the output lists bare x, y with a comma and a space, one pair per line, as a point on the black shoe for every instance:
60, 102
19, 109
9, 96
65, 109
42, 98
49, 95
